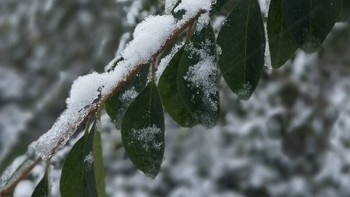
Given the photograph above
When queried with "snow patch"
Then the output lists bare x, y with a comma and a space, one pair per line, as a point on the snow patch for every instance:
192, 7
149, 36
245, 90
203, 74
88, 160
202, 21
129, 95
170, 5
147, 137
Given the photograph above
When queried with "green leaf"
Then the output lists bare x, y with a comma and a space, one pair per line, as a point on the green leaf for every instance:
310, 21
345, 12
117, 105
281, 42
88, 164
143, 131
72, 179
98, 162
82, 171
42, 189
171, 100
242, 41
197, 77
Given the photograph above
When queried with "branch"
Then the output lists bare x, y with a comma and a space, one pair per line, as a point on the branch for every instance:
65, 126
26, 168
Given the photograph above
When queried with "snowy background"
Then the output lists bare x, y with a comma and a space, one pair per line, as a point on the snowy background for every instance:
290, 139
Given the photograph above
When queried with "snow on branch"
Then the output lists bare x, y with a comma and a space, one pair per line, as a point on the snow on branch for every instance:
89, 92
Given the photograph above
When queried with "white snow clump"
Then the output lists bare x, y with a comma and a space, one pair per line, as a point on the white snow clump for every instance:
149, 36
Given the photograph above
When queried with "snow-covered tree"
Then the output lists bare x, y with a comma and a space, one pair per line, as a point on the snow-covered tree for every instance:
196, 60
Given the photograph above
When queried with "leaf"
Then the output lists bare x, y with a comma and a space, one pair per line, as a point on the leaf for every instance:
282, 44
83, 167
171, 99
197, 77
345, 12
98, 162
72, 182
242, 41
117, 105
143, 131
88, 164
310, 21
42, 189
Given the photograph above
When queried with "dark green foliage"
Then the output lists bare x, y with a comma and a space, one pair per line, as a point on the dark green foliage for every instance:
197, 77
117, 105
42, 189
281, 43
242, 41
310, 21
188, 87
83, 167
71, 183
143, 131
171, 99
345, 12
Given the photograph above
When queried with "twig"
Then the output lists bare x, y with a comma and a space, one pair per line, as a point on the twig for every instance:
6, 191
96, 106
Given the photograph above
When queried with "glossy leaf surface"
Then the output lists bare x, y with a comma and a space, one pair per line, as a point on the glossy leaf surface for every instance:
72, 182
282, 44
117, 105
242, 41
171, 99
197, 77
143, 131
83, 167
310, 21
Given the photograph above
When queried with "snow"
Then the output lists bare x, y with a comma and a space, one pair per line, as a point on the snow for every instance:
9, 171
129, 95
84, 90
193, 6
24, 188
203, 20
148, 37
243, 153
147, 137
245, 90
203, 74
169, 5
88, 160
13, 121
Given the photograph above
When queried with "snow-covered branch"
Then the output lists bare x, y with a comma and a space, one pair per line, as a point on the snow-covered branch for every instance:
89, 92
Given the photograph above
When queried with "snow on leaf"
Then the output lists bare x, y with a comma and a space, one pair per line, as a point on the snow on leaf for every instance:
192, 7
197, 77
88, 160
147, 137
149, 36
170, 5
245, 90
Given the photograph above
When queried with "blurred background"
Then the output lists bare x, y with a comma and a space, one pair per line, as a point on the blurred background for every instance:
290, 139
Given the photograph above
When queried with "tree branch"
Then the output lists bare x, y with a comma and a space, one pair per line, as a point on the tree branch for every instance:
98, 103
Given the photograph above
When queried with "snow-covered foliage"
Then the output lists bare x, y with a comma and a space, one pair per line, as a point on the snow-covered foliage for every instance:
290, 139
149, 36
